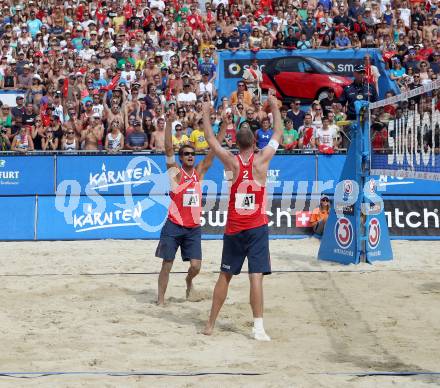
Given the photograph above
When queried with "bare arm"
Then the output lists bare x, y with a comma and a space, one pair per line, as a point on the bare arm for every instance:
268, 152
204, 165
169, 149
31, 143
106, 143
225, 156
153, 141
14, 144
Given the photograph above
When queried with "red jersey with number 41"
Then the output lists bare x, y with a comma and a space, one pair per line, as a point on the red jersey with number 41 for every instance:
247, 201
186, 201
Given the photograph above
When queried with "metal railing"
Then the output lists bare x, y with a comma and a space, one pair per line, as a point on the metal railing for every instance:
341, 151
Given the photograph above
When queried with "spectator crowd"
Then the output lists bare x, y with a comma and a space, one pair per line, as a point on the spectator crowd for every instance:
100, 75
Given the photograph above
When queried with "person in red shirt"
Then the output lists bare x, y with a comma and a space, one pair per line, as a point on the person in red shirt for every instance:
194, 19
246, 232
182, 227
379, 136
426, 51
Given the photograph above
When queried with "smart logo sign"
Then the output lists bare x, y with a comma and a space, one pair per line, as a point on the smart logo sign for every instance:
235, 68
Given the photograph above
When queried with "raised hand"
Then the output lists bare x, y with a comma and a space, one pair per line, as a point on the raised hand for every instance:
206, 106
171, 114
272, 101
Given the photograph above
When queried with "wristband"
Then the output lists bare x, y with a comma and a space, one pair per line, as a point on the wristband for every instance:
170, 159
274, 144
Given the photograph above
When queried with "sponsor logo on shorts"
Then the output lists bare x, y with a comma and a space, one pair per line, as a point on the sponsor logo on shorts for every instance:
343, 232
226, 266
374, 233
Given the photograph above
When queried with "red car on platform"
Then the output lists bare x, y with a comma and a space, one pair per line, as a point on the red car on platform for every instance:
300, 77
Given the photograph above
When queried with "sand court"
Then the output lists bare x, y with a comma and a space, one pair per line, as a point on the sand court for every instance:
89, 307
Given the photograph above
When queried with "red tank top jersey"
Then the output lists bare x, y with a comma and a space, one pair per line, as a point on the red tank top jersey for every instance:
247, 201
186, 201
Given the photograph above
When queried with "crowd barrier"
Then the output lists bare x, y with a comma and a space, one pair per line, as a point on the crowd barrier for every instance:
70, 197
9, 97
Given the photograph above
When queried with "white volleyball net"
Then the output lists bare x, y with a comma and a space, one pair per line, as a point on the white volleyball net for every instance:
405, 133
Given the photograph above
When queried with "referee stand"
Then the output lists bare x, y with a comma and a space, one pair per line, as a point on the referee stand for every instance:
356, 230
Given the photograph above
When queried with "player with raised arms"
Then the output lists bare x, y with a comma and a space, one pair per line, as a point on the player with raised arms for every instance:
182, 227
246, 232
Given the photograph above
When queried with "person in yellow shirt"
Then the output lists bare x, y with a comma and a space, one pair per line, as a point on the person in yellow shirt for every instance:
197, 138
179, 139
319, 216
119, 20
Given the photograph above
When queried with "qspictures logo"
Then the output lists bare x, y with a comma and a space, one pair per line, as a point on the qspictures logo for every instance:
8, 177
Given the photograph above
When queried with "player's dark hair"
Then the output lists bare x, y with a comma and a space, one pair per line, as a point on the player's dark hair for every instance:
245, 138
182, 147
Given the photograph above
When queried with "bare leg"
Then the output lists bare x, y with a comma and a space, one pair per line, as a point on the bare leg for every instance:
257, 305
218, 298
193, 271
256, 294
162, 282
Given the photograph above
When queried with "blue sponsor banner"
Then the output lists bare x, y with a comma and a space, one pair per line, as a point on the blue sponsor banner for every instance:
231, 65
146, 174
401, 178
141, 217
286, 175
26, 175
116, 175
329, 171
98, 217
389, 185
17, 218
330, 168
143, 174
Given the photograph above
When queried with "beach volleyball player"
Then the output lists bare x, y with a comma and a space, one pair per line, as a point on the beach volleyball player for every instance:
246, 232
182, 227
